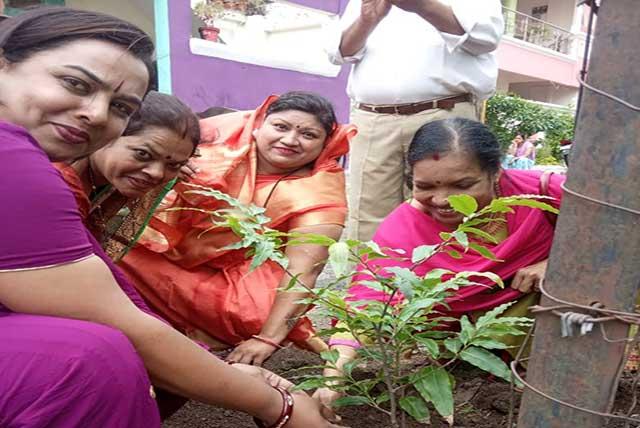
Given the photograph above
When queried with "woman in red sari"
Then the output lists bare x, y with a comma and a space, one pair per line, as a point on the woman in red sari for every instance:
282, 156
461, 156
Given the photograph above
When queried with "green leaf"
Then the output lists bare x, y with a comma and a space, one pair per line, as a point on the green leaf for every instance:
453, 344
264, 250
437, 334
483, 251
462, 238
415, 307
416, 408
382, 398
479, 232
488, 343
445, 236
531, 201
497, 206
348, 367
311, 384
350, 401
497, 330
375, 285
423, 252
310, 238
466, 330
330, 356
371, 250
339, 258
489, 275
405, 280
434, 385
454, 254
481, 220
491, 315
437, 274
486, 361
463, 204
430, 345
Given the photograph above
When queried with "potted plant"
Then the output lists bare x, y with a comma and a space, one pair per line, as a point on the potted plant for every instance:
247, 7
209, 11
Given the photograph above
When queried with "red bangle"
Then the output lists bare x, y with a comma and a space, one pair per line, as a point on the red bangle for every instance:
285, 415
267, 341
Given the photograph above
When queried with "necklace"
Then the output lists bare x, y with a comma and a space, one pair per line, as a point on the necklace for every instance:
497, 227
96, 198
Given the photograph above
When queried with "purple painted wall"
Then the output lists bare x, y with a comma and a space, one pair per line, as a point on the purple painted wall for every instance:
204, 82
333, 6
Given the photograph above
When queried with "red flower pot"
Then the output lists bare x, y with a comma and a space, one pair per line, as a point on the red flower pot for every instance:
209, 33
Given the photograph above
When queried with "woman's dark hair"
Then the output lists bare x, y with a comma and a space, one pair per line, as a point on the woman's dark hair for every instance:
44, 28
165, 111
214, 111
457, 134
307, 102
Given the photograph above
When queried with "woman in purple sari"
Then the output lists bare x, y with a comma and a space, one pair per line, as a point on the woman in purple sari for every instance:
78, 347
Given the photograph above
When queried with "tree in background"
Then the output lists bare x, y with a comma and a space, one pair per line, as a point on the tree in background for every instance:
508, 115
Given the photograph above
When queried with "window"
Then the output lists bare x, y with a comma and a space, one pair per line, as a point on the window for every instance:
283, 35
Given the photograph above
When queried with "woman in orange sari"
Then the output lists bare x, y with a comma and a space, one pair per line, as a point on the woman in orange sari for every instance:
118, 187
282, 156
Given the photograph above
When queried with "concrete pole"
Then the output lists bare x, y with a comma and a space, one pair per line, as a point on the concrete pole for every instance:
596, 250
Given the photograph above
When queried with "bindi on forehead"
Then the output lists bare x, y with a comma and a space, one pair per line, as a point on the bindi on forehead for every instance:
436, 157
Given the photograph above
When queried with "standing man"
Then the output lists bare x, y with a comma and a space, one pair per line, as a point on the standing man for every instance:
414, 61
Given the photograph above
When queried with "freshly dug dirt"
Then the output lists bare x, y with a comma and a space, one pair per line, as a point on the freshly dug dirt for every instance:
480, 402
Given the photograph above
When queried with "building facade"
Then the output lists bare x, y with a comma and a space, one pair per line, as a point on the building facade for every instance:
258, 55
542, 50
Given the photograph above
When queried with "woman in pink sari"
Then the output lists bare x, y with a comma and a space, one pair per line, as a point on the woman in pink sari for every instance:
460, 156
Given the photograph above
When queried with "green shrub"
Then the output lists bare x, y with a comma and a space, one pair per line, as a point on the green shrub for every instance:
415, 324
508, 115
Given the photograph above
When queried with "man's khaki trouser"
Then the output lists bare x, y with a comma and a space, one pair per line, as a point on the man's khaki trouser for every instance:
377, 172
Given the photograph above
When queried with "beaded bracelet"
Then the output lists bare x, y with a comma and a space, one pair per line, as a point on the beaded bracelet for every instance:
267, 341
285, 415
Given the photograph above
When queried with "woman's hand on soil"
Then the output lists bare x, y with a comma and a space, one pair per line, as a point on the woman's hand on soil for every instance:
528, 279
307, 413
251, 351
264, 374
326, 397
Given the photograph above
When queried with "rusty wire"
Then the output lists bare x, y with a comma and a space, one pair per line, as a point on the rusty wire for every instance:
607, 95
609, 315
598, 201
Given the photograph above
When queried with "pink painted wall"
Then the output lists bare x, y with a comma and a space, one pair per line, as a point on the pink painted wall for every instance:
204, 82
515, 58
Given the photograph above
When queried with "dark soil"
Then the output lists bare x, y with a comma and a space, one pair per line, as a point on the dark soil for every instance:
480, 402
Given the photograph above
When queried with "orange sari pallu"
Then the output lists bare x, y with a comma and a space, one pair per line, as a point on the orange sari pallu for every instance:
189, 278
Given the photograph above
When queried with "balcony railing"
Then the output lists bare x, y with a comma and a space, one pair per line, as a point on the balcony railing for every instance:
538, 32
